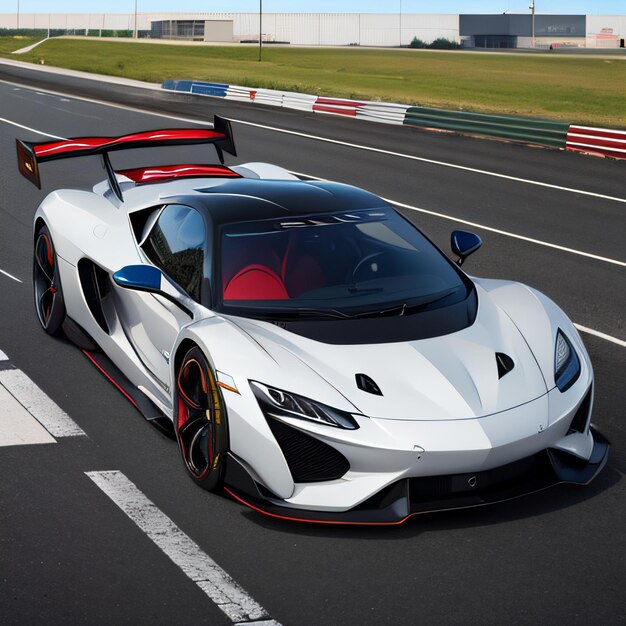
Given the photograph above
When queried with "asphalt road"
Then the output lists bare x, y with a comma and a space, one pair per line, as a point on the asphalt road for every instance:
69, 555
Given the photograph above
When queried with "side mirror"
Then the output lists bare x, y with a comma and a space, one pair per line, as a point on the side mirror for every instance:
464, 243
153, 280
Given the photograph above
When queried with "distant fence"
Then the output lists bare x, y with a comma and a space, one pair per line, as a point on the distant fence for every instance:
525, 129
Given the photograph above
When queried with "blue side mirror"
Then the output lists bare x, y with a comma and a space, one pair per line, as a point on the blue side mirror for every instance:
139, 277
151, 279
464, 243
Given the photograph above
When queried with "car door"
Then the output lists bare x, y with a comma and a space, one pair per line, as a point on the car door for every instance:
176, 244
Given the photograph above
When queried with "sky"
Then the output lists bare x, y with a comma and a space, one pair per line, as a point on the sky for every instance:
607, 7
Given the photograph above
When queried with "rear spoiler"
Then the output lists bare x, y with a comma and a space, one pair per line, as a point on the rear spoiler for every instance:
30, 155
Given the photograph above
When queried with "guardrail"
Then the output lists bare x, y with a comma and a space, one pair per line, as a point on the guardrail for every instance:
600, 141
525, 129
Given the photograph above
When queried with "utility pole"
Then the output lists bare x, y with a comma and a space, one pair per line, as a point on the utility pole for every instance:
260, 30
18, 14
135, 25
532, 8
401, 23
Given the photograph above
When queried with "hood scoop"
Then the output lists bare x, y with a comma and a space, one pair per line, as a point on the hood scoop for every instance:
505, 364
365, 383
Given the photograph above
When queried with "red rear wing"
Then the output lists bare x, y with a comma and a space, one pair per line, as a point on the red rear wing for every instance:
30, 155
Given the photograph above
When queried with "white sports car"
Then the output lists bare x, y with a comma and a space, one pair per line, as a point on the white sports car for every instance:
312, 351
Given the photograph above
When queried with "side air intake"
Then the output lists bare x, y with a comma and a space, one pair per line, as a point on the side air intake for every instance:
505, 364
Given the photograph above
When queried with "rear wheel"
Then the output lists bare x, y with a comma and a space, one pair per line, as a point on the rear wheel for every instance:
49, 302
200, 424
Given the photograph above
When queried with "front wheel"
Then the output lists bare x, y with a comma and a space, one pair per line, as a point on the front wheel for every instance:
49, 302
200, 421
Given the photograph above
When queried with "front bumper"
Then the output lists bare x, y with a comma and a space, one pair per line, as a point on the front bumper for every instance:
414, 495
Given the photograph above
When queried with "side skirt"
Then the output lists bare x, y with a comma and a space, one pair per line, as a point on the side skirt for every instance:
142, 403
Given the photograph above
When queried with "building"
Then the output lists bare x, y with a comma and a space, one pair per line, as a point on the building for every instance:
518, 31
343, 29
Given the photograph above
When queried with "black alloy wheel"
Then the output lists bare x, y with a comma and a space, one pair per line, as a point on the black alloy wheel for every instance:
49, 302
200, 420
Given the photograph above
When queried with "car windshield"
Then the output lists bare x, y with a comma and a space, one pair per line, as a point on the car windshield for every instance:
342, 265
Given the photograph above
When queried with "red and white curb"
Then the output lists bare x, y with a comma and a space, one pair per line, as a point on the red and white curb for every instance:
598, 141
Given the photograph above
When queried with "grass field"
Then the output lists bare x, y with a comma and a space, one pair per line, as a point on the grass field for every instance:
576, 89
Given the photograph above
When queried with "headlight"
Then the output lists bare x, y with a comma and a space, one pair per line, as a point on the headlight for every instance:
566, 363
275, 402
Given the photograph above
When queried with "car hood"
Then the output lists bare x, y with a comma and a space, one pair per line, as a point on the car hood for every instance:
450, 377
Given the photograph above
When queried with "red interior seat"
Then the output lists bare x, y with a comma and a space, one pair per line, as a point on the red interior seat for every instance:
300, 270
255, 282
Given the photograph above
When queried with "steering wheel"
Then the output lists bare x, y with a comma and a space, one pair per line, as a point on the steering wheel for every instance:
369, 266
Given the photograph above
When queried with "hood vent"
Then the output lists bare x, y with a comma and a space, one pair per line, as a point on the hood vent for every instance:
505, 364
365, 383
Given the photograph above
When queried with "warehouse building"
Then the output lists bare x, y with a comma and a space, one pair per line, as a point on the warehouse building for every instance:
343, 29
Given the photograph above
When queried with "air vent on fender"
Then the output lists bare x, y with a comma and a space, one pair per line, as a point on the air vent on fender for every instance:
365, 383
505, 364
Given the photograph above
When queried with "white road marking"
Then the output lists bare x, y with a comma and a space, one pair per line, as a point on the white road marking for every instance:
39, 405
32, 130
10, 276
328, 140
597, 333
17, 426
3, 356
506, 233
181, 549
432, 161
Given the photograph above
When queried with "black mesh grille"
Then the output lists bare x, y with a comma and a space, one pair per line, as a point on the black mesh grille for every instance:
579, 423
309, 459
481, 484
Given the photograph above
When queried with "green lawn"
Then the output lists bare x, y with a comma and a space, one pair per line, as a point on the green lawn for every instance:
8, 44
572, 88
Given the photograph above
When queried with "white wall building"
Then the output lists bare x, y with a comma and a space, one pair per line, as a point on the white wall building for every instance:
323, 29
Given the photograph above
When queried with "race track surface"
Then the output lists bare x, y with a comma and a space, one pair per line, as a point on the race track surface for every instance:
68, 554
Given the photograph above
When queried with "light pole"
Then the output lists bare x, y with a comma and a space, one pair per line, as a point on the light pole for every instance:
260, 30
532, 8
135, 25
18, 14
401, 23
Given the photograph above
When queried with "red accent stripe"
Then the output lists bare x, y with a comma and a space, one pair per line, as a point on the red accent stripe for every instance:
110, 379
312, 521
49, 251
79, 144
598, 132
170, 172
337, 106
597, 142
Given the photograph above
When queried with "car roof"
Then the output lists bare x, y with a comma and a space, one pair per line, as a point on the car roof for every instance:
244, 199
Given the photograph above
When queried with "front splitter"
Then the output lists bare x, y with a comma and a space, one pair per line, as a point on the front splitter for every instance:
407, 497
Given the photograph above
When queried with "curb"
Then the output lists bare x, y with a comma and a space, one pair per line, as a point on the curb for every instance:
528, 130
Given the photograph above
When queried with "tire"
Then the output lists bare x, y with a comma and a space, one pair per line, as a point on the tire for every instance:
200, 421
49, 302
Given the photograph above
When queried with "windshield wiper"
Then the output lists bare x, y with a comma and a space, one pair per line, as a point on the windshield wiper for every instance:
406, 308
290, 314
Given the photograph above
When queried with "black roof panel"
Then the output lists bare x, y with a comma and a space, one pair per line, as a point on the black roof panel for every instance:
244, 199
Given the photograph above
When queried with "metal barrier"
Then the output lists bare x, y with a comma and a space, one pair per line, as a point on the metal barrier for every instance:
527, 129
600, 141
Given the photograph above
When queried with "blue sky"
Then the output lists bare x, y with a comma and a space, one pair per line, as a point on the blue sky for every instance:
334, 6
